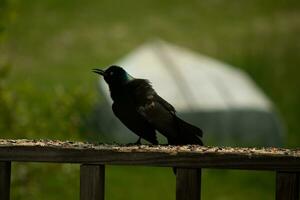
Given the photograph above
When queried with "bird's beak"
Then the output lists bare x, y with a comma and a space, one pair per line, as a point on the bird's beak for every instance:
99, 71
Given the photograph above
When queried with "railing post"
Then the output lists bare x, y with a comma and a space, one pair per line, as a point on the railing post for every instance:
287, 185
188, 184
5, 169
92, 180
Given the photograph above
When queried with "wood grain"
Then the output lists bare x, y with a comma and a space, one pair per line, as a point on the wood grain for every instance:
188, 184
287, 186
5, 170
191, 156
92, 181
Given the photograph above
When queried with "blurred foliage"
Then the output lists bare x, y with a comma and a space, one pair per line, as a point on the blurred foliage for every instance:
58, 114
66, 112
6, 101
25, 113
48, 47
3, 13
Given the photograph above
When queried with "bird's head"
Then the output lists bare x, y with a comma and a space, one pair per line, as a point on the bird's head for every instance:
114, 75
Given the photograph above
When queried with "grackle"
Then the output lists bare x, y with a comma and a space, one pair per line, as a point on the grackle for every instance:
143, 111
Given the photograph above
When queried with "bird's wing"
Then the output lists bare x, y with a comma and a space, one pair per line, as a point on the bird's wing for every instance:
166, 122
159, 113
163, 102
136, 123
144, 93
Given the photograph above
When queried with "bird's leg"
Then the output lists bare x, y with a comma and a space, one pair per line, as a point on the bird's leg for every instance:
138, 142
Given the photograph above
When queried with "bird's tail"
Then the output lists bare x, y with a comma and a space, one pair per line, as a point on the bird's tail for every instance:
188, 134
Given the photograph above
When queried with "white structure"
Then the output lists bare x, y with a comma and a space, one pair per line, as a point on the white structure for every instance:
219, 98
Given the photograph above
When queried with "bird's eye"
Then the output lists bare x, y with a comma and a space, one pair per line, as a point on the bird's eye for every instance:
111, 73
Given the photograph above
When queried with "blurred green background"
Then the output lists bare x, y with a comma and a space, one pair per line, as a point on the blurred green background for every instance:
47, 90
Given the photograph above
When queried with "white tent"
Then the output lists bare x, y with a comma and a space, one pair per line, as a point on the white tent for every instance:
219, 98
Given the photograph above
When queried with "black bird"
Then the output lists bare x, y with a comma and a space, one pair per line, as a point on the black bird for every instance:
143, 111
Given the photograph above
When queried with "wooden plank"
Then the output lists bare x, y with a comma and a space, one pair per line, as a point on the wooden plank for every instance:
163, 159
188, 184
287, 186
92, 181
5, 170
190, 156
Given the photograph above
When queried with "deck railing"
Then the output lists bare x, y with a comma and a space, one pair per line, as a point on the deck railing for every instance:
189, 160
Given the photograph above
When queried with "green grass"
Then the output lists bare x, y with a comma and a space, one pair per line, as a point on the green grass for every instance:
52, 45
130, 182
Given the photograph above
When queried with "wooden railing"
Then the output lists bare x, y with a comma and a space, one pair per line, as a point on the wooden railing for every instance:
187, 159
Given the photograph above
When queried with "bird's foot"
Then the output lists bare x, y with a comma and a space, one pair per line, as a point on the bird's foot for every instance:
138, 142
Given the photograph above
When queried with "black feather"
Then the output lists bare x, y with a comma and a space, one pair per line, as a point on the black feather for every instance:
143, 111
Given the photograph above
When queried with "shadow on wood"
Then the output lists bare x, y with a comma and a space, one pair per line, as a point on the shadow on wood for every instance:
188, 184
5, 168
287, 186
92, 180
